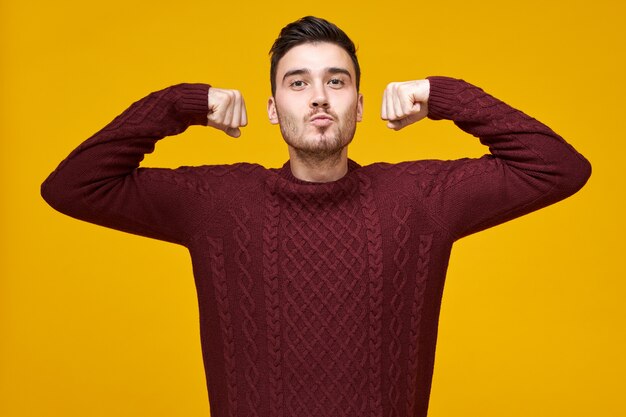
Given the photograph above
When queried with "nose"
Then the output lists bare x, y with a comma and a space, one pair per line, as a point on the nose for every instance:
319, 98
320, 102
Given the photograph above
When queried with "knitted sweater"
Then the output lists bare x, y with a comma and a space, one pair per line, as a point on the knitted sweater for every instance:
317, 299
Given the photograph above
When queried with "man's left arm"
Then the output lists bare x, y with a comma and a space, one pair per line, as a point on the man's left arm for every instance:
529, 165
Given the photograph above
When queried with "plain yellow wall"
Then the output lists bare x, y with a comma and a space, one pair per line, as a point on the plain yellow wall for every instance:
95, 322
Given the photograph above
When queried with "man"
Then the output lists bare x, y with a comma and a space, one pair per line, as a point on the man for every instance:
319, 283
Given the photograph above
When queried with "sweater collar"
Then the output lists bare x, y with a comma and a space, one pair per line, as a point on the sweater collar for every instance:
289, 185
285, 172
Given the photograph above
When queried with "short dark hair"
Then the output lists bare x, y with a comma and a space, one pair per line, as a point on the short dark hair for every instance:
310, 29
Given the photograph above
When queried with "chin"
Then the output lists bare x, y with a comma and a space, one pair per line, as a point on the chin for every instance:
317, 144
323, 142
320, 147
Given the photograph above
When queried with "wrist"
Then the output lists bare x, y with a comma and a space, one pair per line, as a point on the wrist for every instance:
192, 102
442, 97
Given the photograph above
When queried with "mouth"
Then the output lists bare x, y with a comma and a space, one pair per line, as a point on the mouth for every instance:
321, 119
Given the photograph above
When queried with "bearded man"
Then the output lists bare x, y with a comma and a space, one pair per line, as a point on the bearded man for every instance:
319, 283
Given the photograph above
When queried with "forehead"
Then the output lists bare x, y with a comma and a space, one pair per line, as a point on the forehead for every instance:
315, 57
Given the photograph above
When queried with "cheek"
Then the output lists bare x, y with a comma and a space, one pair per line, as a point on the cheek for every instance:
282, 110
348, 102
284, 114
287, 120
286, 101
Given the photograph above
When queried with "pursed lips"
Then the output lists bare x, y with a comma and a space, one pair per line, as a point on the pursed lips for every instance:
321, 119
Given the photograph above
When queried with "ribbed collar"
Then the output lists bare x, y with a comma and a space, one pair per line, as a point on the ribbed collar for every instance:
287, 182
286, 173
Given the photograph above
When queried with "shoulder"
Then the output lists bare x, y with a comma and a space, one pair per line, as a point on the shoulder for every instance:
209, 177
406, 171
427, 175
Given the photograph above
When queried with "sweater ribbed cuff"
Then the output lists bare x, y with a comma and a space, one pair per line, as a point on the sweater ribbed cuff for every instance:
193, 101
443, 98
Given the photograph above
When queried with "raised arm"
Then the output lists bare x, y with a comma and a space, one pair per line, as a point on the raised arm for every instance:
101, 182
529, 166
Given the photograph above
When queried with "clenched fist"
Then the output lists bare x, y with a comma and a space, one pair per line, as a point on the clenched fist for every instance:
227, 111
405, 103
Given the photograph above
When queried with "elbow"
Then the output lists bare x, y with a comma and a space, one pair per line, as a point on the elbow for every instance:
50, 193
574, 176
59, 195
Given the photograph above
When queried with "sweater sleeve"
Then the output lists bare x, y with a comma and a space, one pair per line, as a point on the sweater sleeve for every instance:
101, 182
528, 167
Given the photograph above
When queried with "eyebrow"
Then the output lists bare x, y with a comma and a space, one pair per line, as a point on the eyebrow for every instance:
306, 71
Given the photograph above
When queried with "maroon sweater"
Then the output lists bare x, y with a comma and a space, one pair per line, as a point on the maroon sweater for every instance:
317, 299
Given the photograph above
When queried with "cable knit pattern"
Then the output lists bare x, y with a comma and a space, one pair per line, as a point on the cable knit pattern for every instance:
272, 300
216, 251
325, 302
401, 212
247, 304
424, 247
375, 263
323, 298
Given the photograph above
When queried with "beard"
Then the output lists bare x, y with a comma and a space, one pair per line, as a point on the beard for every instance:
318, 143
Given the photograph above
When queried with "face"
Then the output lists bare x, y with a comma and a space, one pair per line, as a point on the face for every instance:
316, 102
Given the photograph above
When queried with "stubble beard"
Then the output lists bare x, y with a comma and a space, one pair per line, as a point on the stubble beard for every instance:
328, 143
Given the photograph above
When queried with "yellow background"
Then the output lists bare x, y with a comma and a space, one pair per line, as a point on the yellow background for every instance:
95, 322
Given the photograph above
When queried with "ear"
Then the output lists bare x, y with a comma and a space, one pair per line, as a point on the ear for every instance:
359, 108
271, 111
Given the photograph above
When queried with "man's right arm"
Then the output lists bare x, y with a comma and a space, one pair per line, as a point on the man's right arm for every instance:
101, 182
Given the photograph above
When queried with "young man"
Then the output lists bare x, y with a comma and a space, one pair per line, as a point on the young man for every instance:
319, 283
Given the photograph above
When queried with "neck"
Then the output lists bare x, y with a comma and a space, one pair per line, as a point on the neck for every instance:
317, 168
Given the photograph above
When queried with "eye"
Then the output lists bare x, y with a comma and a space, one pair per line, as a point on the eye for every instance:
297, 84
336, 82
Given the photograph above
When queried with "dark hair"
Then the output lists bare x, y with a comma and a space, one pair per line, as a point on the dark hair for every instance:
310, 29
